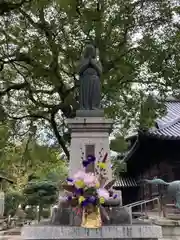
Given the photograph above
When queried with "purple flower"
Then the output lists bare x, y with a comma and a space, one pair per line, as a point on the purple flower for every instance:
85, 203
69, 198
92, 199
69, 179
85, 163
79, 191
115, 196
91, 158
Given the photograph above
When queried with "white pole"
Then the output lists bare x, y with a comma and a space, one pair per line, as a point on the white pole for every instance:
2, 203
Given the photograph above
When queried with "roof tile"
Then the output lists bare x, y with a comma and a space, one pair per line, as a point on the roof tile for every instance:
169, 125
125, 182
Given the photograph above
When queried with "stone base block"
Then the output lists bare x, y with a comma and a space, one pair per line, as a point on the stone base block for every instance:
106, 232
170, 228
90, 113
67, 217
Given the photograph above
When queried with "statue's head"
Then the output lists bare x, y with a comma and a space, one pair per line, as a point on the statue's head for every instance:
90, 51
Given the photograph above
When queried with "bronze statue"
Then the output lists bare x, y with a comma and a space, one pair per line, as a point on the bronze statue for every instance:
173, 188
89, 76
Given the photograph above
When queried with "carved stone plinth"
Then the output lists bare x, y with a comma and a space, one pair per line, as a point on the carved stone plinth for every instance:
106, 232
66, 216
86, 131
90, 113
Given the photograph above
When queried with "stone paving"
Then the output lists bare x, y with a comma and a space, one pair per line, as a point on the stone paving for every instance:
11, 234
11, 237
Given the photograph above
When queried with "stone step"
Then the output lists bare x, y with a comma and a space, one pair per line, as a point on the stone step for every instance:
11, 237
15, 231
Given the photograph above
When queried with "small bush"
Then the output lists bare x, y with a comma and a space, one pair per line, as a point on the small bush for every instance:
31, 213
45, 213
41, 194
12, 201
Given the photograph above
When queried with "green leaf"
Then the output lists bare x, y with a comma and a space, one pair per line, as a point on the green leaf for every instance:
118, 144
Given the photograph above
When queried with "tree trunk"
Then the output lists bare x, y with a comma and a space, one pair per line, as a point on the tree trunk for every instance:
40, 212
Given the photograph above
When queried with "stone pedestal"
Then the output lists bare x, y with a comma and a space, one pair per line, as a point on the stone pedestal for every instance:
106, 232
89, 129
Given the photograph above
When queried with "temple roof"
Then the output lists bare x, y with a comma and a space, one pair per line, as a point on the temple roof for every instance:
123, 181
168, 127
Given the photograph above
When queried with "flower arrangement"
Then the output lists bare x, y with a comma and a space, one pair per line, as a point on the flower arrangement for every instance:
88, 190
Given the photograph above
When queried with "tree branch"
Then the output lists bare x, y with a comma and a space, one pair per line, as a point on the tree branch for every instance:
6, 7
38, 103
59, 138
45, 27
52, 122
17, 86
24, 57
50, 92
31, 116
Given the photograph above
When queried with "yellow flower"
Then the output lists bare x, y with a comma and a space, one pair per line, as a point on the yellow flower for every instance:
97, 185
102, 165
81, 199
79, 184
101, 200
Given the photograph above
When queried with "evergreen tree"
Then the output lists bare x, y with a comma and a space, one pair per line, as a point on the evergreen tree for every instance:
41, 43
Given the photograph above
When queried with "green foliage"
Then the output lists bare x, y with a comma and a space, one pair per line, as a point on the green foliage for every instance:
118, 144
21, 161
4, 133
12, 201
150, 110
41, 43
118, 166
31, 213
40, 194
4, 136
46, 213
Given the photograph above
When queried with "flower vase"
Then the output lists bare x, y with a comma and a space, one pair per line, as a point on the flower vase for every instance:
91, 217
